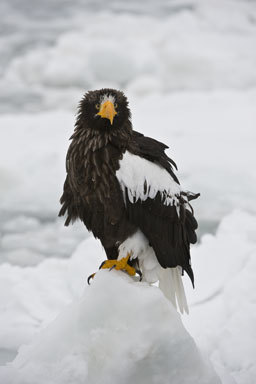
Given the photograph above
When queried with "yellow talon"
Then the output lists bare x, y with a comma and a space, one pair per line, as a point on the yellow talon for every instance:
119, 265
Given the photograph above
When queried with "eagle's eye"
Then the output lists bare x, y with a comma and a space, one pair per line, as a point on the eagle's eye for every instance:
115, 105
97, 106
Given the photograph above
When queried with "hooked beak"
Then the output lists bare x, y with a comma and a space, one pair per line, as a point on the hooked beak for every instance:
107, 111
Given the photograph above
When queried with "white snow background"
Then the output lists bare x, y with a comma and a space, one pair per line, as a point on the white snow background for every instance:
188, 69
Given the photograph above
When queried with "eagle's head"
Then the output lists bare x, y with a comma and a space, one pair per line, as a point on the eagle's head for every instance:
104, 110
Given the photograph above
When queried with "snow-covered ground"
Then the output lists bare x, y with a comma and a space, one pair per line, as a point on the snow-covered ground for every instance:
104, 337
188, 68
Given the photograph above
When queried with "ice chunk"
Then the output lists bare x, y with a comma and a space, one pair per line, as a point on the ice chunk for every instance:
119, 331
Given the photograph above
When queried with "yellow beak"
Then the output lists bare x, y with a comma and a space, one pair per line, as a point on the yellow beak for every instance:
107, 111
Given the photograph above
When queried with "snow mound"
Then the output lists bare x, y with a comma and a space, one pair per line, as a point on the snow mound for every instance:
119, 331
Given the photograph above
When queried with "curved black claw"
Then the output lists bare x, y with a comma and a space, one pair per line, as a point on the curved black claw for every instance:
90, 277
139, 273
103, 262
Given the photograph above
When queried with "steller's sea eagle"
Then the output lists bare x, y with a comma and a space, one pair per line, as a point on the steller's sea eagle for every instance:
121, 184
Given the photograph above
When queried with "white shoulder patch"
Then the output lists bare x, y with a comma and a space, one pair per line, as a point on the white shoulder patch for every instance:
143, 179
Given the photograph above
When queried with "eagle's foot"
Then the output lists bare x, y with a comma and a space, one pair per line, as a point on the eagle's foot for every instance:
119, 265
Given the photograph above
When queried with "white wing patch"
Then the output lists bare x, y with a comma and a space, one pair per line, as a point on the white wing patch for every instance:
143, 179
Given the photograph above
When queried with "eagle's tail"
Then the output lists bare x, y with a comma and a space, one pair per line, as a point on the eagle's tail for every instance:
170, 283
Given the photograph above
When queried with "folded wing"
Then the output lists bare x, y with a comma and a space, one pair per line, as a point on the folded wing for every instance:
156, 203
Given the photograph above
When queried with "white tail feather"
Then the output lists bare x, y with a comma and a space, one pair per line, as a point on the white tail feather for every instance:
170, 283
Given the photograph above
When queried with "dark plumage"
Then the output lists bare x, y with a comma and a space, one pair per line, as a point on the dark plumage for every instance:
93, 193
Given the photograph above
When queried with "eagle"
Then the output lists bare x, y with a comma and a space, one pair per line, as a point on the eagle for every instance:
122, 186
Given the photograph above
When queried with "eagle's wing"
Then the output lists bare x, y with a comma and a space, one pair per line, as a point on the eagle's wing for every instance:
156, 203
